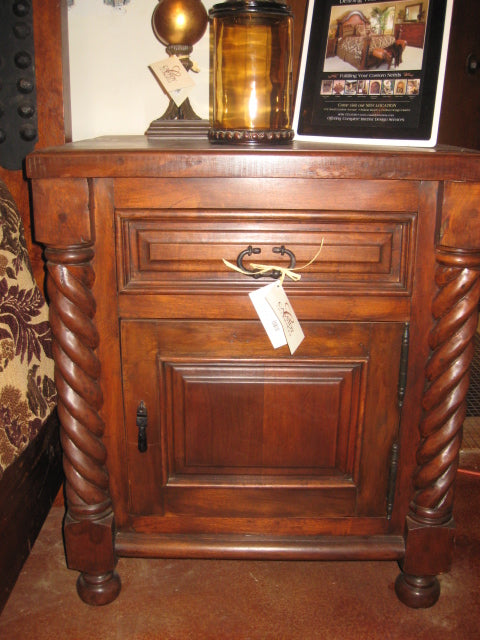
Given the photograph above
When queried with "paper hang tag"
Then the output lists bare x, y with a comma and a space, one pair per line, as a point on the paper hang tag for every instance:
277, 316
174, 78
270, 322
283, 310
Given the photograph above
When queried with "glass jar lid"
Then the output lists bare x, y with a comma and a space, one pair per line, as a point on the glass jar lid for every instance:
232, 7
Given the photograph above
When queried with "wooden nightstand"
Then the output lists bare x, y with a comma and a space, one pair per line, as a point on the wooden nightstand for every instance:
412, 32
184, 432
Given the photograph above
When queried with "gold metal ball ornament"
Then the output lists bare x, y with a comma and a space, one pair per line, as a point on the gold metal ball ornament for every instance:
179, 24
179, 21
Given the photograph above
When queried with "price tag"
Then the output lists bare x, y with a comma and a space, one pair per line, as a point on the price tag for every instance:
270, 322
283, 310
174, 78
277, 316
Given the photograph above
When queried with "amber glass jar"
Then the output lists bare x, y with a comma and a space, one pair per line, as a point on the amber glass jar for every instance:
252, 72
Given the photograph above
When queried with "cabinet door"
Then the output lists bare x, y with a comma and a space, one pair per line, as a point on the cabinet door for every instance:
235, 428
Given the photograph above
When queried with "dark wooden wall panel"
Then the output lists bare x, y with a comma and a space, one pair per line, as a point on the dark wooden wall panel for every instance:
53, 105
459, 120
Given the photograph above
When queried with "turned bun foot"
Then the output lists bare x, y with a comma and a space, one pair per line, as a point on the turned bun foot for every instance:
417, 592
99, 589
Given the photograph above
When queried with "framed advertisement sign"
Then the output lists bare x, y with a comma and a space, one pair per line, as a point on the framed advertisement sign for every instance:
372, 72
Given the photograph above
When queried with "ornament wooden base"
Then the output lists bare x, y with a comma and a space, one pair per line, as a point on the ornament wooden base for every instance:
178, 129
178, 122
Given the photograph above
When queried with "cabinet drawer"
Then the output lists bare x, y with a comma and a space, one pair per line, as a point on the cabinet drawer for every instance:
161, 251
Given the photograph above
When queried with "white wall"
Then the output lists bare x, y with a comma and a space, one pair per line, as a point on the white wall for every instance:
112, 89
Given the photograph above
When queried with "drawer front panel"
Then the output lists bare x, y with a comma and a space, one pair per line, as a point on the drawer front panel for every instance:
366, 252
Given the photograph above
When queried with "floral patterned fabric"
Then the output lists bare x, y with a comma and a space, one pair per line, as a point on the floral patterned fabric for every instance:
27, 390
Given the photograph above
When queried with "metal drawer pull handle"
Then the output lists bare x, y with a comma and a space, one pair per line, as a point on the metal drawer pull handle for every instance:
273, 273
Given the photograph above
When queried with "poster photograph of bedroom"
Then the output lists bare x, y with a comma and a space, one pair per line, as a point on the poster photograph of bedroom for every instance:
376, 37
372, 72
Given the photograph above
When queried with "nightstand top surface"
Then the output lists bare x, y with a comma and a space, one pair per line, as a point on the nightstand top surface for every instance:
139, 156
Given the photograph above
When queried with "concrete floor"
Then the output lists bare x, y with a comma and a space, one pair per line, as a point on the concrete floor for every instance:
240, 600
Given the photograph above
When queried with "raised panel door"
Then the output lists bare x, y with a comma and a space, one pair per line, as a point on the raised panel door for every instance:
236, 429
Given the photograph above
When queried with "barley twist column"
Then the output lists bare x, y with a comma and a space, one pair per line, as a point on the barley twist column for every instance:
455, 313
455, 310
89, 523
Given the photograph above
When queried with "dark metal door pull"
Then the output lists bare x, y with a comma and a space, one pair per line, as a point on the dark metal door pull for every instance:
142, 419
273, 273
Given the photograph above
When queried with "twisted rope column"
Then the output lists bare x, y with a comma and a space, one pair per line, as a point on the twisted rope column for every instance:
430, 523
455, 309
77, 373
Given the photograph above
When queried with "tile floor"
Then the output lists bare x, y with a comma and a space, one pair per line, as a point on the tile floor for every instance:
254, 600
